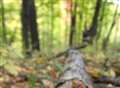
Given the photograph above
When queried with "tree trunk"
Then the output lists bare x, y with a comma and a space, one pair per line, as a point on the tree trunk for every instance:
88, 35
101, 20
3, 22
106, 39
74, 71
25, 25
73, 23
33, 25
29, 25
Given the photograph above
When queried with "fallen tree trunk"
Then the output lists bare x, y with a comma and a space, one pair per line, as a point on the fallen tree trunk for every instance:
74, 74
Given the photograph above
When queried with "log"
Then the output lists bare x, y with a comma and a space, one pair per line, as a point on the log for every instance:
74, 72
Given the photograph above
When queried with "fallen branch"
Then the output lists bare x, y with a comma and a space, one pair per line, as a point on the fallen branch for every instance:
106, 80
83, 45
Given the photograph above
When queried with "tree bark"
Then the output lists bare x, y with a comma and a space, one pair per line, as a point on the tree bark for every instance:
74, 70
29, 25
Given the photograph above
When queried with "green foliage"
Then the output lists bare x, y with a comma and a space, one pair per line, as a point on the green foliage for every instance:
53, 30
8, 57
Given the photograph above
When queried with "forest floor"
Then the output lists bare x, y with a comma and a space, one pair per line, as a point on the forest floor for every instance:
42, 73
10, 81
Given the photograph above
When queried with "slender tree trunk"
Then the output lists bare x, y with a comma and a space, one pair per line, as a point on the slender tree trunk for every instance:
88, 35
66, 18
106, 39
51, 24
3, 22
73, 23
29, 25
101, 20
